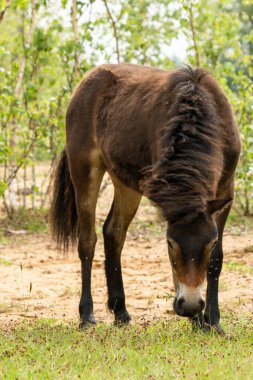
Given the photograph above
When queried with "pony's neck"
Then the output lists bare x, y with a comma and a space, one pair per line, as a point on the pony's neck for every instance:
184, 178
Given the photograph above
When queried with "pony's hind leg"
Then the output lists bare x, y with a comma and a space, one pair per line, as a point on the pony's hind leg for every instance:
124, 207
87, 173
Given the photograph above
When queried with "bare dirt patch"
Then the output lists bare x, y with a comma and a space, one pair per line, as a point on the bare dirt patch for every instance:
39, 282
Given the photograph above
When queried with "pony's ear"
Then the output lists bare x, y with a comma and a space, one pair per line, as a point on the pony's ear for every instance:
218, 205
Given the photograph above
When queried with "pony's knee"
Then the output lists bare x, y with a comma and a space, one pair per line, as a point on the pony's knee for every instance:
86, 246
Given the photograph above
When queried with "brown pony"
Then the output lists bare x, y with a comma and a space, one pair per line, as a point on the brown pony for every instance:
168, 135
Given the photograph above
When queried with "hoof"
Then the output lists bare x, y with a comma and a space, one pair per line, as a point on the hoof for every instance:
199, 323
122, 319
86, 322
217, 329
214, 326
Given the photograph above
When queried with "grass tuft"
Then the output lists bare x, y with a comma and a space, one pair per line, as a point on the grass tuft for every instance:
238, 267
33, 221
5, 263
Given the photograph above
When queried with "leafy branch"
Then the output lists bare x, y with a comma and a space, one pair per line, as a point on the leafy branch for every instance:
4, 9
115, 29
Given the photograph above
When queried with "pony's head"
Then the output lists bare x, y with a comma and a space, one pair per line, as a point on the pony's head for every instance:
190, 244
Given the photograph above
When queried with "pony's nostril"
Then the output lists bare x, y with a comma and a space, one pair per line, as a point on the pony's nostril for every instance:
201, 304
180, 303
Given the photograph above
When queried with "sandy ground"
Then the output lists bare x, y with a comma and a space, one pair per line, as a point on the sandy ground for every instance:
39, 282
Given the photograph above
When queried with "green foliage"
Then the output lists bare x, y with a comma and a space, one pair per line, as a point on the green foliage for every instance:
44, 53
3, 187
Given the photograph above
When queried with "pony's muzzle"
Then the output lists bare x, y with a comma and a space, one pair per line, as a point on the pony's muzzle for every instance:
188, 309
189, 301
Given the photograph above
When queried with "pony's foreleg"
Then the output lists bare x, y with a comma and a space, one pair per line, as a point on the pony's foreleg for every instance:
87, 180
212, 313
124, 207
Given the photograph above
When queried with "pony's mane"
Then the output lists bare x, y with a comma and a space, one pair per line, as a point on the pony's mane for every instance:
180, 182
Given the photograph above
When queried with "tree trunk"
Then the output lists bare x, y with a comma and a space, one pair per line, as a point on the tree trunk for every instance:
76, 38
196, 49
115, 29
17, 93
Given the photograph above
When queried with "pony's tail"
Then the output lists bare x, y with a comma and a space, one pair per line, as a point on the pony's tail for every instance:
63, 213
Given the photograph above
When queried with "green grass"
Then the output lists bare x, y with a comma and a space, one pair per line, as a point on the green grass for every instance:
163, 350
32, 221
3, 239
5, 263
238, 267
